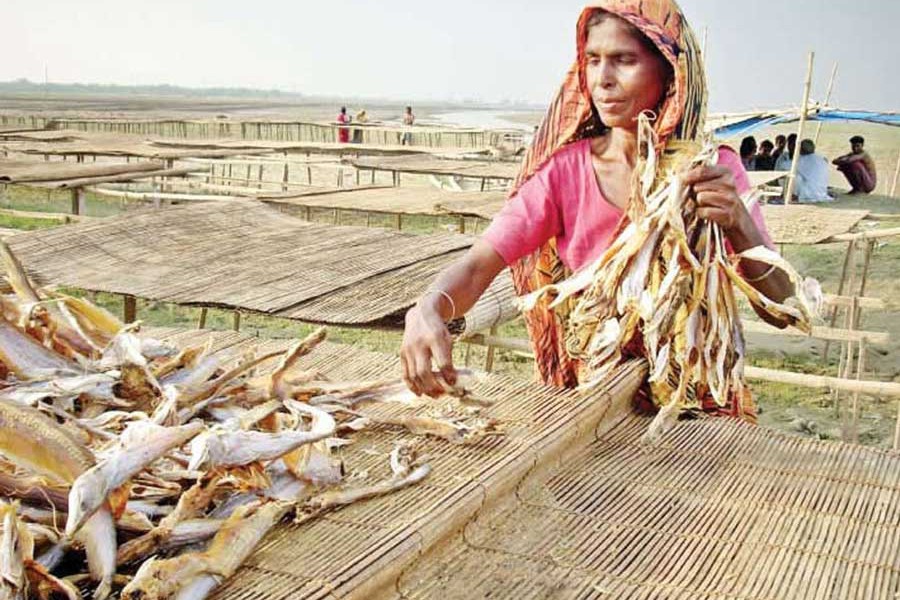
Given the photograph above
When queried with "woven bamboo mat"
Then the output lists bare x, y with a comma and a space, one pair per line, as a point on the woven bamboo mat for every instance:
296, 146
804, 224
32, 171
241, 255
440, 166
106, 144
357, 551
484, 207
718, 510
404, 200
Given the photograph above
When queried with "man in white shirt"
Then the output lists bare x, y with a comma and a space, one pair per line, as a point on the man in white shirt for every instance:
812, 175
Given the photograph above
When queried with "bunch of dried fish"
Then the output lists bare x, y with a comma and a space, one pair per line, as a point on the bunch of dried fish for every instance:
124, 449
667, 285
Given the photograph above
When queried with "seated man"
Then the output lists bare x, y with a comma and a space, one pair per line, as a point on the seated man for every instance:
812, 175
764, 160
858, 167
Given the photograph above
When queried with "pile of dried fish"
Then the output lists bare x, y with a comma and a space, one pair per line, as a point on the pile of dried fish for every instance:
126, 451
667, 283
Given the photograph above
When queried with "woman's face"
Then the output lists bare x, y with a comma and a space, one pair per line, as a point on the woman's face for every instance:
625, 77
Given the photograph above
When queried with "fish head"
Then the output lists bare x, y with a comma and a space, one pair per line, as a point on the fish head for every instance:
88, 494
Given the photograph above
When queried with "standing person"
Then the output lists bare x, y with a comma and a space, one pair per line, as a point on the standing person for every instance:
764, 160
361, 117
780, 143
812, 175
409, 120
748, 153
576, 182
343, 132
858, 167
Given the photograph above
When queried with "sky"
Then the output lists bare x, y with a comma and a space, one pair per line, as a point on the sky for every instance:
487, 50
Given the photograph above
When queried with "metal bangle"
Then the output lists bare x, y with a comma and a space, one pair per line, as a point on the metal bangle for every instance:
768, 272
449, 299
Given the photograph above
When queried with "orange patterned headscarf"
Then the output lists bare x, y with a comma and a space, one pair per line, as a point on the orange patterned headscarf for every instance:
570, 117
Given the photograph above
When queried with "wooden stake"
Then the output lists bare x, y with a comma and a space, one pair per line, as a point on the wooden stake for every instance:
896, 177
489, 359
237, 320
789, 192
851, 246
854, 416
129, 308
201, 322
870, 247
897, 429
827, 100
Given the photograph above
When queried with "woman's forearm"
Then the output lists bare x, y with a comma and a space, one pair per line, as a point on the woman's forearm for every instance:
464, 281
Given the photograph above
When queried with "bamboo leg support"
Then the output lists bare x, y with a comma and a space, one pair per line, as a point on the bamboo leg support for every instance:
129, 308
851, 247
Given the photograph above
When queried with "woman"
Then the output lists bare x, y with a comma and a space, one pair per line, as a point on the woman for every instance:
343, 132
574, 188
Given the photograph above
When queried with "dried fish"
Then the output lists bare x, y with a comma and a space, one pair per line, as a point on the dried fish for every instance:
141, 444
667, 283
105, 432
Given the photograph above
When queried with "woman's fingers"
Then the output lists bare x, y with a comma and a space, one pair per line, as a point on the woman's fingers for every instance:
705, 173
716, 215
407, 373
442, 351
425, 378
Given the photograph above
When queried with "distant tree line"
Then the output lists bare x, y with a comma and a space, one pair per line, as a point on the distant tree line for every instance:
25, 86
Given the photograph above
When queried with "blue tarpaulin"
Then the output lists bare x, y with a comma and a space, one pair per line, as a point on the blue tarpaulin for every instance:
751, 124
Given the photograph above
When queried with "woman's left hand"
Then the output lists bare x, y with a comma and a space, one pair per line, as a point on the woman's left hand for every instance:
718, 201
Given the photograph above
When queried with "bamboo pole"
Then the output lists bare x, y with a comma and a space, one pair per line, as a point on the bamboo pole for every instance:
872, 234
851, 247
827, 100
870, 247
864, 302
703, 43
854, 415
872, 388
514, 344
489, 359
823, 333
789, 192
896, 177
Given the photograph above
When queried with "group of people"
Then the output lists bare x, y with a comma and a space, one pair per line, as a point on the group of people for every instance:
812, 168
362, 117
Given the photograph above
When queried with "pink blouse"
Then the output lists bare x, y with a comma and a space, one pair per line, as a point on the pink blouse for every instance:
563, 200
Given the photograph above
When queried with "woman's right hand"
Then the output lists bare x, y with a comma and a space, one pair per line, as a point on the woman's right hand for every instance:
426, 339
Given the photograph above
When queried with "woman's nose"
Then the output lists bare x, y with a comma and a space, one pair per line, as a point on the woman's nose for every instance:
606, 76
